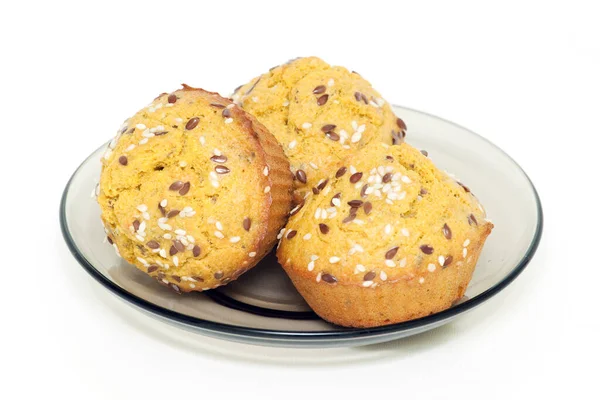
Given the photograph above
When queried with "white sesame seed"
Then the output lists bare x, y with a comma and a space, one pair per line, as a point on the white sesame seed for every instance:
318, 277
280, 234
358, 221
386, 188
235, 239
381, 170
163, 253
164, 227
191, 238
219, 225
217, 152
431, 267
180, 232
306, 125
182, 164
140, 126
139, 237
212, 175
145, 215
346, 146
286, 103
354, 125
397, 176
178, 120
307, 236
361, 128
167, 236
147, 134
202, 140
318, 213
336, 202
330, 82
334, 260
361, 267
314, 257
252, 254
367, 283
401, 195
356, 136
326, 190
142, 227
390, 263
377, 192
402, 263
192, 285
219, 234
313, 165
130, 147
266, 171
352, 170
163, 203
255, 99
228, 120
464, 252
466, 243
176, 261
383, 276
184, 241
441, 260
311, 265
107, 154
421, 280
369, 190
292, 144
143, 141
388, 229
406, 179
267, 189
405, 232
142, 207
359, 248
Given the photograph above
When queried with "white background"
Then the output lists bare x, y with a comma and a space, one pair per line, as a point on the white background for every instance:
523, 74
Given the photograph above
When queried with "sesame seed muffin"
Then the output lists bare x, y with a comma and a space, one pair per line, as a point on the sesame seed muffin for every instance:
389, 238
193, 190
320, 114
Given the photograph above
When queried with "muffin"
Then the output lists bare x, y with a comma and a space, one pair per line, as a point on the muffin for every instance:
389, 238
193, 190
320, 114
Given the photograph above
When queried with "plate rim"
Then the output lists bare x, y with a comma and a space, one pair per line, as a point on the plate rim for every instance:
311, 336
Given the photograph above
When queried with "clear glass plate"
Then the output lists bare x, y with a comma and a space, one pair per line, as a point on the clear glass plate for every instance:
262, 307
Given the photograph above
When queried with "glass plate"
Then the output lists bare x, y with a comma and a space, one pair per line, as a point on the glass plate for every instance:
262, 307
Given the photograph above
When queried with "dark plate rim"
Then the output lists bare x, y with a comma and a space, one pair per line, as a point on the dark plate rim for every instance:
279, 335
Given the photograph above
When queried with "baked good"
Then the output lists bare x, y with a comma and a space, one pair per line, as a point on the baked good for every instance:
320, 114
389, 238
194, 190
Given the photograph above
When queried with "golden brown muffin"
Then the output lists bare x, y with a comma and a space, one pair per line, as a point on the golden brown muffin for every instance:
194, 190
320, 114
389, 238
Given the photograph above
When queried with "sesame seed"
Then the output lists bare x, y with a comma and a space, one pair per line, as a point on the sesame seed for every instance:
228, 120
431, 267
292, 144
176, 261
334, 260
367, 283
405, 232
421, 280
306, 125
330, 82
286, 103
140, 126
464, 252
390, 263
163, 253
202, 140
252, 254
388, 229
311, 265
318, 213
266, 171
280, 234
383, 276
466, 243
142, 208
406, 179
307, 236
427, 249
441, 260
139, 237
267, 189
318, 278
313, 165
219, 234
235, 239
180, 232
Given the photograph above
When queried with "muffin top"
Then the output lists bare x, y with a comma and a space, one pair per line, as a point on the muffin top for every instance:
320, 114
185, 190
385, 215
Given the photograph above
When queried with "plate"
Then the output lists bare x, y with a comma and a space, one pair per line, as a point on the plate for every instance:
262, 307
